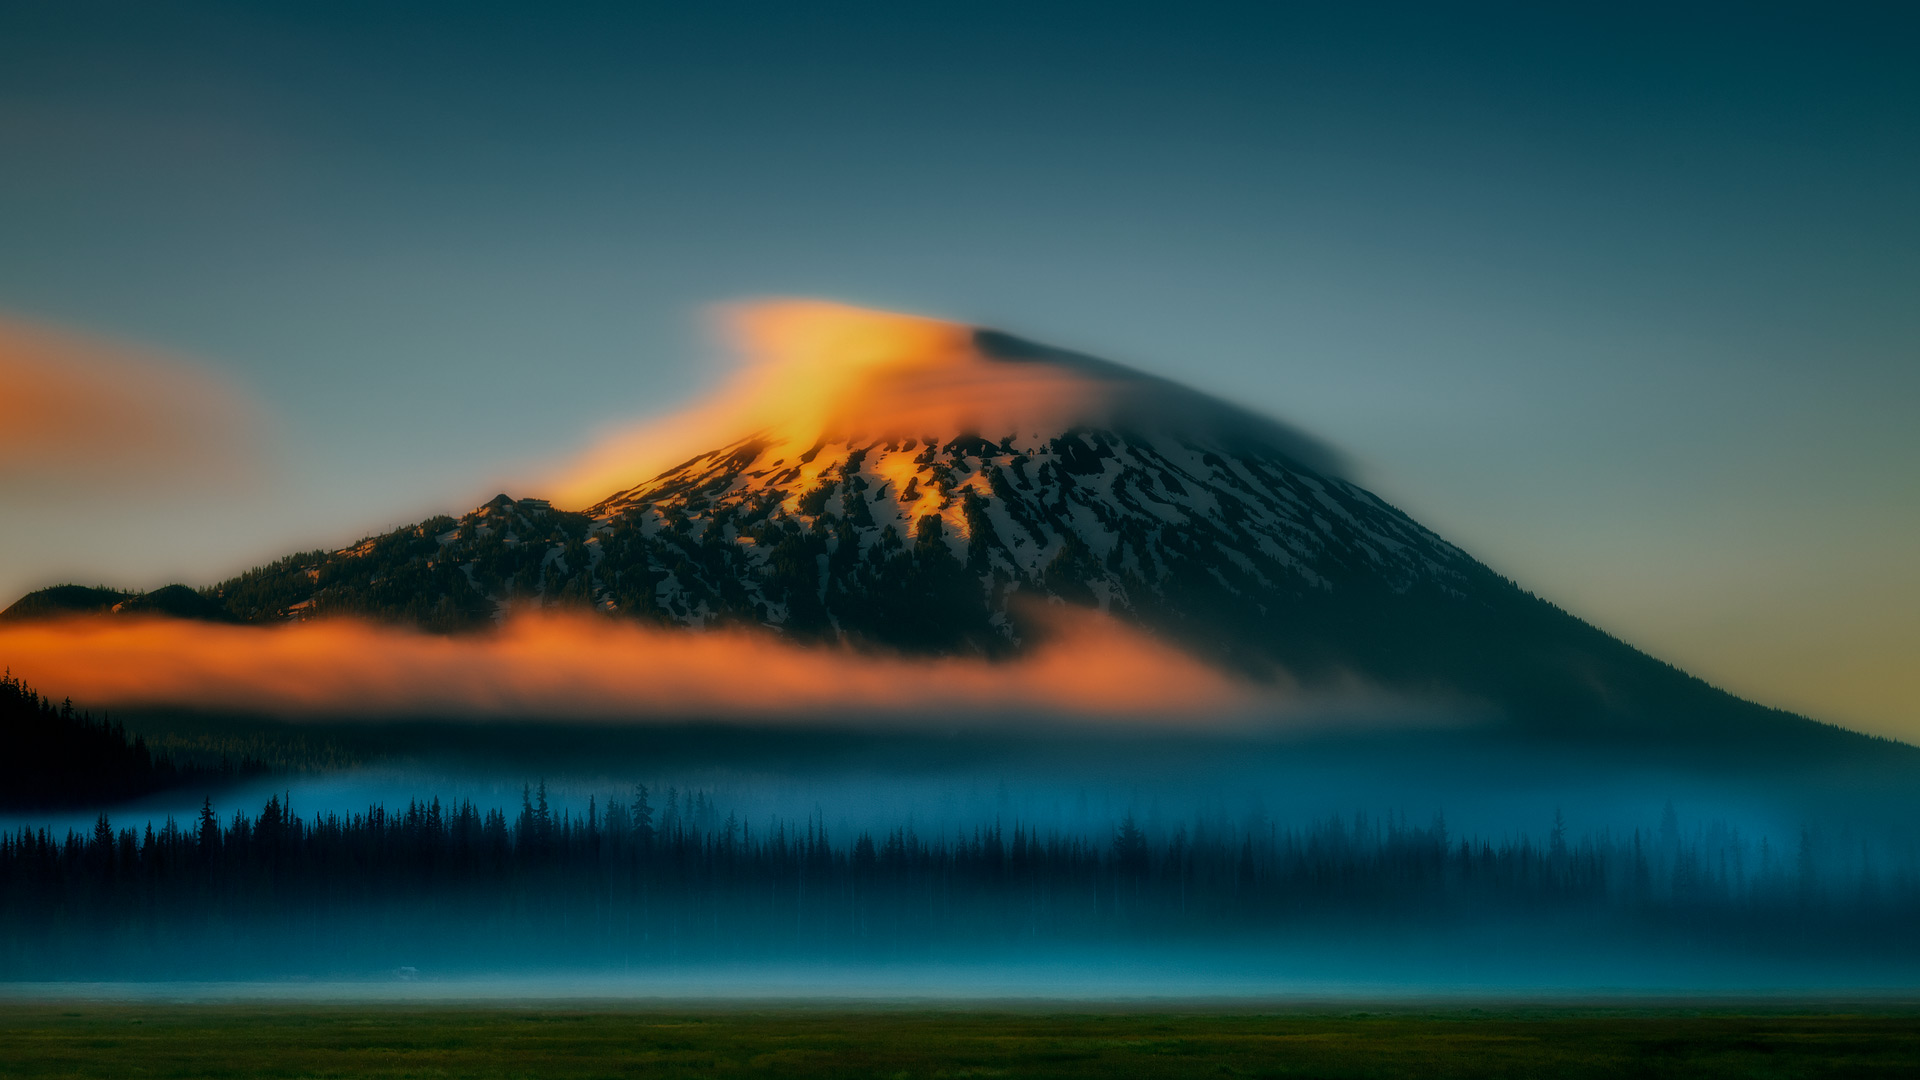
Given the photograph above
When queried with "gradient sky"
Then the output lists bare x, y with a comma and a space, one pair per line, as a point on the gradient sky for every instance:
1625, 302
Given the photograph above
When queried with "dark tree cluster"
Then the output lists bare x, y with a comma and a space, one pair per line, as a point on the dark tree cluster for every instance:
54, 755
625, 882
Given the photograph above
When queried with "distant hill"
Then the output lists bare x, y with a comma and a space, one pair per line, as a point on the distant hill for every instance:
177, 601
64, 600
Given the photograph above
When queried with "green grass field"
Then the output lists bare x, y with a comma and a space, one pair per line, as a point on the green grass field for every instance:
95, 1040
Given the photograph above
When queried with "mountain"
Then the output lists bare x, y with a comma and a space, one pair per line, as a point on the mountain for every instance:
931, 488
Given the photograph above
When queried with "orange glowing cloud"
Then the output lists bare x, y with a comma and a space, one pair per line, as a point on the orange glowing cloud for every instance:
80, 416
583, 666
817, 371
814, 371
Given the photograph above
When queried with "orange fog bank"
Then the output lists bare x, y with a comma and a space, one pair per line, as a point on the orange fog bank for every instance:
585, 667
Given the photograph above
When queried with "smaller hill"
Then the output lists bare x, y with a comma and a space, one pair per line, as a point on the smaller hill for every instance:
64, 600
177, 601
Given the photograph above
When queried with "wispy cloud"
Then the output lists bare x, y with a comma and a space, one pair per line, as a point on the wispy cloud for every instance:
81, 417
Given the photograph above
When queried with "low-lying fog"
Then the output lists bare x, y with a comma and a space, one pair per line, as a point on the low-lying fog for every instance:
982, 864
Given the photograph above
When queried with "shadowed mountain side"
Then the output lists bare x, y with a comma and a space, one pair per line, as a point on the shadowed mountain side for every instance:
1455, 765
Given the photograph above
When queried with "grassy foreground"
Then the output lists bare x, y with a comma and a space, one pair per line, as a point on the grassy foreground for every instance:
89, 1040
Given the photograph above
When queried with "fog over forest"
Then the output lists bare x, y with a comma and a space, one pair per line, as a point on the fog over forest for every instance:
1198, 862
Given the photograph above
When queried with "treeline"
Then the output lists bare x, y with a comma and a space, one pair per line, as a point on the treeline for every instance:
54, 755
623, 882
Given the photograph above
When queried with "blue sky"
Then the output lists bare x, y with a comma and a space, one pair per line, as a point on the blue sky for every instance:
1619, 299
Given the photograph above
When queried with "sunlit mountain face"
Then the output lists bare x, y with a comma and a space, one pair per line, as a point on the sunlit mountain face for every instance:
936, 542
928, 488
923, 491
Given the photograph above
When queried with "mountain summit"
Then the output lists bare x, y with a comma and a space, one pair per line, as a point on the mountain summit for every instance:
931, 488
